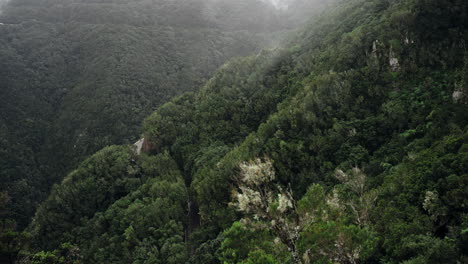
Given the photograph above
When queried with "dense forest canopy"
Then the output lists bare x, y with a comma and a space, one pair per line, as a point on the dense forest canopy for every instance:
77, 75
346, 143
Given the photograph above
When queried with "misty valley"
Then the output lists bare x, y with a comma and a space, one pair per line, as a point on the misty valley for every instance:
233, 132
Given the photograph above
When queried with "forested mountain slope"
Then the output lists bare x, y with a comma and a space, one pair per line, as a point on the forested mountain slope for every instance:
348, 146
76, 75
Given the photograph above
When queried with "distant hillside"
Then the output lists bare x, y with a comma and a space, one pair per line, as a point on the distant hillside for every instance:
76, 76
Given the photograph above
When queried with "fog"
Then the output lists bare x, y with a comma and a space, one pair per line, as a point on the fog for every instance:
229, 15
2, 4
279, 4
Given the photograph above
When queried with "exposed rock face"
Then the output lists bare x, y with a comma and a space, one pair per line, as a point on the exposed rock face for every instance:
394, 64
138, 146
374, 47
142, 146
393, 61
457, 96
374, 54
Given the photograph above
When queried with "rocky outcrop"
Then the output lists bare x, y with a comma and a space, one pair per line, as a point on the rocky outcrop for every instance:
393, 61
138, 146
142, 146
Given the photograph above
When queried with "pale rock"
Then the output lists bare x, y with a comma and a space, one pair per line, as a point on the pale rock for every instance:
138, 146
393, 61
457, 95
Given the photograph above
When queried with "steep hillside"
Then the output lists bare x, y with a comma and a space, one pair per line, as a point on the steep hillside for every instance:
77, 76
347, 146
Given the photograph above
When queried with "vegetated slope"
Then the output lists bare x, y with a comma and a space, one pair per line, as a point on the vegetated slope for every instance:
348, 147
77, 76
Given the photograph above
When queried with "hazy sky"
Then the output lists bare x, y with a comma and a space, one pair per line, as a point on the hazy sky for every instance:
2, 2
280, 4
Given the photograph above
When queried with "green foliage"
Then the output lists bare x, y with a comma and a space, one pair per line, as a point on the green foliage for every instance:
329, 236
12, 241
67, 254
244, 245
430, 249
328, 242
347, 107
77, 76
119, 208
258, 257
419, 188
146, 225
99, 181
359, 122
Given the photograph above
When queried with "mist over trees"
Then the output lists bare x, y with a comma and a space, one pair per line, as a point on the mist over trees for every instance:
80, 75
347, 143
